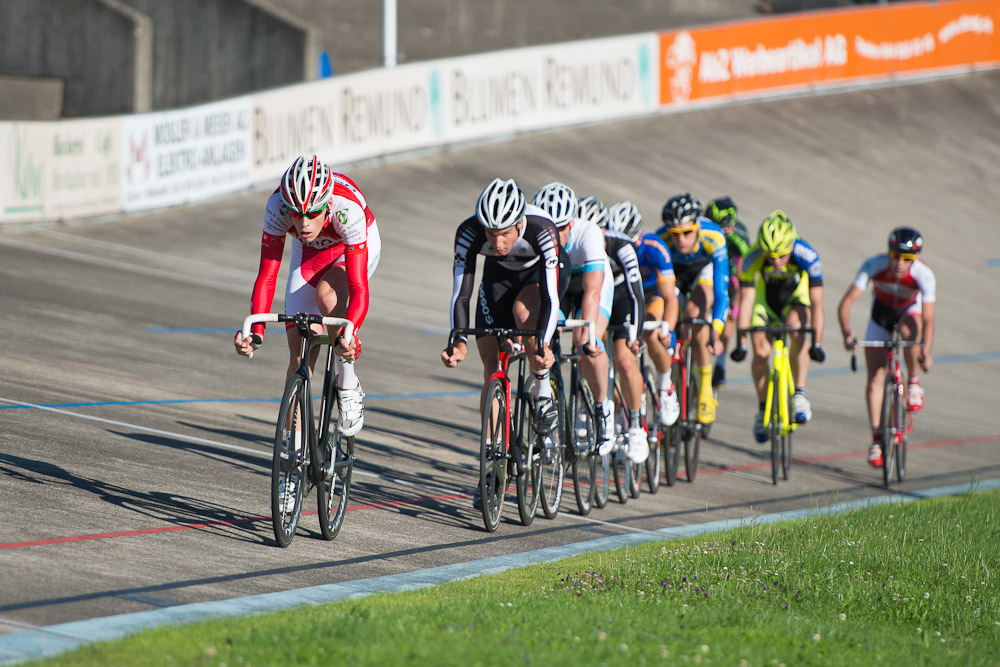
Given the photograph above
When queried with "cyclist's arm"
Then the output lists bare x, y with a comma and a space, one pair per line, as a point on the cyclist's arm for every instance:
629, 261
816, 307
464, 276
671, 307
928, 329
844, 312
356, 265
546, 244
720, 285
271, 248
591, 301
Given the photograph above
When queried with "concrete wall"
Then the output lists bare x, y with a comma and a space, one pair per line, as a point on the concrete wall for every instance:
118, 56
204, 50
83, 42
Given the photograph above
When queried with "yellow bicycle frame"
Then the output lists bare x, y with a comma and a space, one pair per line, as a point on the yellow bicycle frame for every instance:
781, 375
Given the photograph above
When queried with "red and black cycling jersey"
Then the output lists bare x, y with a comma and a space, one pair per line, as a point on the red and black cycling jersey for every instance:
536, 249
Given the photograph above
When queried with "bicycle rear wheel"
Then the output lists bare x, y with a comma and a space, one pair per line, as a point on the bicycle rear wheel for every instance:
890, 398
551, 471
581, 435
786, 454
692, 434
289, 474
653, 431
620, 466
526, 442
492, 454
337, 456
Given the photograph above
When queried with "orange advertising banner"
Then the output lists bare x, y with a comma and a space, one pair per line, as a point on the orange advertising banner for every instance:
827, 48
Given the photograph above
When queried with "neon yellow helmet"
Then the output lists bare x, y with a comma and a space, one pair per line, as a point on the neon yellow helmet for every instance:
777, 234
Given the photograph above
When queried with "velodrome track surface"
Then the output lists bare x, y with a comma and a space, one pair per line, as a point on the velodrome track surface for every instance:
134, 465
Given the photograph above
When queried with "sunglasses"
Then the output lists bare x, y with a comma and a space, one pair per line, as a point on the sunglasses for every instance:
312, 215
902, 255
682, 232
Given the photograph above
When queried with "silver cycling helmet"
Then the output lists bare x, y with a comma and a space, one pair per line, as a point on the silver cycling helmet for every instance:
681, 211
624, 217
501, 204
558, 201
591, 208
306, 186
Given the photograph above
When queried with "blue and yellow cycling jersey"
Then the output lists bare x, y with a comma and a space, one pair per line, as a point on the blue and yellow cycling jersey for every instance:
779, 285
711, 249
654, 261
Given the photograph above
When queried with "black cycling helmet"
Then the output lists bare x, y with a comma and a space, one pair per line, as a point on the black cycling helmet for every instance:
905, 240
722, 211
681, 211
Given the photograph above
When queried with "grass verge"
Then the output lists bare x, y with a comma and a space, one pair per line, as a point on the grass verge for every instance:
895, 584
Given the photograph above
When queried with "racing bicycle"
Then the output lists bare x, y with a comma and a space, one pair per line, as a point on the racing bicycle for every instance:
896, 421
508, 444
308, 450
778, 412
686, 430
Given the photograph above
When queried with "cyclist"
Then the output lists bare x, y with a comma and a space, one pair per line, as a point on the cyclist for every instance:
781, 284
723, 212
628, 312
903, 297
336, 250
701, 267
590, 293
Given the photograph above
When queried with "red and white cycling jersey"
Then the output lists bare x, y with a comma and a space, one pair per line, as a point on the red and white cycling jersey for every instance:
343, 240
893, 293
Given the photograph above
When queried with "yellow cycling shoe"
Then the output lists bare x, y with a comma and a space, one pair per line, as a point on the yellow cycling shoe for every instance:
706, 409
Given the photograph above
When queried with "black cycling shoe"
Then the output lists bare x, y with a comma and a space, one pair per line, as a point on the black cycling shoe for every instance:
718, 376
546, 416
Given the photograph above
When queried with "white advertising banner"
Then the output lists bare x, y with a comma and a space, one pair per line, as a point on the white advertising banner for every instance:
343, 119
176, 157
379, 112
549, 86
59, 170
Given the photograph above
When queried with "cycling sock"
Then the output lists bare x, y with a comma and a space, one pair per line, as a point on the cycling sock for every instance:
800, 390
705, 380
762, 406
346, 377
634, 418
914, 379
664, 383
543, 388
605, 406
720, 361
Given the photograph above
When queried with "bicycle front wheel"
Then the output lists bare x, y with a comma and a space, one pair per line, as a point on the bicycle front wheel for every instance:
775, 425
890, 399
526, 443
581, 436
653, 432
692, 435
674, 440
492, 454
551, 471
331, 493
289, 461
903, 426
602, 479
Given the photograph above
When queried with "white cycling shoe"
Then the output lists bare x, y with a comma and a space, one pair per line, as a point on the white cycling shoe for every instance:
286, 493
638, 448
605, 433
670, 409
351, 409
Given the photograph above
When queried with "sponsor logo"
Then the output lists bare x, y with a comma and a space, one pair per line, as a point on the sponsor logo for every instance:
682, 57
551, 262
138, 159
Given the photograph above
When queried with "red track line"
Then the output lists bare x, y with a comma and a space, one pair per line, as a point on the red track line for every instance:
847, 455
193, 526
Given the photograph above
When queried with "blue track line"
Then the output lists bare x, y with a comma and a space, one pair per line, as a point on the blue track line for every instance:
54, 639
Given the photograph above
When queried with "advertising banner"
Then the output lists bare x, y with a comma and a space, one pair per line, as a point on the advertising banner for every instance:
548, 86
176, 157
344, 119
827, 48
57, 170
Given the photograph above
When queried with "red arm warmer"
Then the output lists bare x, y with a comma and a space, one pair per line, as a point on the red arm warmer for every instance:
271, 248
356, 263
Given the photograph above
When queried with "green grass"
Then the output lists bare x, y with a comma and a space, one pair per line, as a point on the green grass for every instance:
909, 584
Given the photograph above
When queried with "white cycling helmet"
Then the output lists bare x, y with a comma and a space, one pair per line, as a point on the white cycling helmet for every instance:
501, 204
307, 185
559, 201
624, 217
591, 208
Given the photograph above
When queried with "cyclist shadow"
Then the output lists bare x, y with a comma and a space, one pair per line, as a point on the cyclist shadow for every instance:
173, 509
441, 508
244, 436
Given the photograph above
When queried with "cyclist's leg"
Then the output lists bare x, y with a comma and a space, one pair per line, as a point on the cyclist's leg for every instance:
797, 315
910, 325
874, 389
700, 306
300, 297
760, 367
656, 346
719, 372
